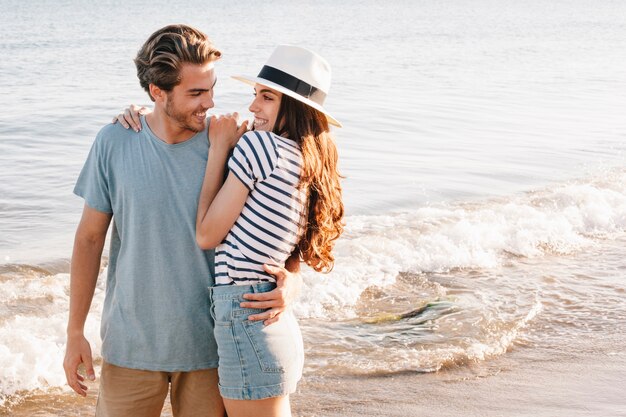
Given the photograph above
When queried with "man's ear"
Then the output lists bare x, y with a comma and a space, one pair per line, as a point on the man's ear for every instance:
156, 93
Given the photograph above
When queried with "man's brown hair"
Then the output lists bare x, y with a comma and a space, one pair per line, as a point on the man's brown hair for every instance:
160, 59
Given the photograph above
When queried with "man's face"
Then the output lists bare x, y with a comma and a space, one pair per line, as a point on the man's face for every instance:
187, 103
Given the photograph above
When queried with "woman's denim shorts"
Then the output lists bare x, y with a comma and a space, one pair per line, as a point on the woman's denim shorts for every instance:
255, 361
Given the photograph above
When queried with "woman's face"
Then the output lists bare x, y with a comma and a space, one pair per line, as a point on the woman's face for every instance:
265, 107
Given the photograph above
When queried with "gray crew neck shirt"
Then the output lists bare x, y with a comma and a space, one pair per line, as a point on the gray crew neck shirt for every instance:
156, 308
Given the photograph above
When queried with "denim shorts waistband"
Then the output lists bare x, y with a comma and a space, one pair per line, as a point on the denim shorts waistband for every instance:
228, 292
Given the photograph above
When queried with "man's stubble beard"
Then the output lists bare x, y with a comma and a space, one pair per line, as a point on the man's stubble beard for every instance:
179, 118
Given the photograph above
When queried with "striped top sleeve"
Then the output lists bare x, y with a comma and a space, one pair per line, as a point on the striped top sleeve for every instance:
272, 220
254, 158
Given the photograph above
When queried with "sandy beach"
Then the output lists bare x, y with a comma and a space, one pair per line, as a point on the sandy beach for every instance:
526, 382
520, 384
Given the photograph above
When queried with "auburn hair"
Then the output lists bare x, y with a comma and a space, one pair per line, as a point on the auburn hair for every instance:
160, 59
323, 222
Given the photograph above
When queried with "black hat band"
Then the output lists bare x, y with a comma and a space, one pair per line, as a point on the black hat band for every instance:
292, 83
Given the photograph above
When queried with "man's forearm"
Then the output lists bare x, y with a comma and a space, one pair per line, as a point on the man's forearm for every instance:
292, 264
84, 272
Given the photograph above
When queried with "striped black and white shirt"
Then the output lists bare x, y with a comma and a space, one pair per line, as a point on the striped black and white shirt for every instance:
270, 224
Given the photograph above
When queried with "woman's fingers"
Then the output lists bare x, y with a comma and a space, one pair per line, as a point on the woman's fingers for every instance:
120, 118
243, 128
135, 114
224, 130
130, 117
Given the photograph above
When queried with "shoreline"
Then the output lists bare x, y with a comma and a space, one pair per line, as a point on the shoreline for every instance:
517, 384
537, 381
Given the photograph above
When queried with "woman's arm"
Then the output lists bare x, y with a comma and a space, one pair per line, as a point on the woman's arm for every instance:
220, 202
224, 208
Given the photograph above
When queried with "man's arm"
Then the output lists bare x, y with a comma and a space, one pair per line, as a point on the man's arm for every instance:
85, 267
288, 285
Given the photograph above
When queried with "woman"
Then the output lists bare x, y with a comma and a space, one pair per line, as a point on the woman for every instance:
282, 193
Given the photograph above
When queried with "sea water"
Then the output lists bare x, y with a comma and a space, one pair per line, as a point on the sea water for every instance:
483, 149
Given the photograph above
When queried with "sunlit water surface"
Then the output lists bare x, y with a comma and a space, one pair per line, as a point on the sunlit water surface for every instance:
483, 151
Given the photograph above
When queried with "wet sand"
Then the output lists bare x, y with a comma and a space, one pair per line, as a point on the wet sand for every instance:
520, 384
525, 382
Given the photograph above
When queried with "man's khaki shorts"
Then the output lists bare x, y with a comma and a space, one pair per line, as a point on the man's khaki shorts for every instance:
128, 392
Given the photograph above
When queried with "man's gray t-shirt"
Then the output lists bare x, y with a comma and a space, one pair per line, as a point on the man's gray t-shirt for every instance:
156, 308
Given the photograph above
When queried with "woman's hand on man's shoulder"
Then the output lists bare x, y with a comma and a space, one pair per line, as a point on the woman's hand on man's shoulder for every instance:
130, 117
225, 131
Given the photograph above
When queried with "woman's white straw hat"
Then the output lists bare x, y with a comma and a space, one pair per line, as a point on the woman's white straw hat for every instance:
298, 73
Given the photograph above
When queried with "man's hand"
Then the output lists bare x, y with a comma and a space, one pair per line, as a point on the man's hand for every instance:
78, 351
88, 244
279, 299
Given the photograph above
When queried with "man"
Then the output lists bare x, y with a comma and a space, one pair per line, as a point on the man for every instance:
156, 328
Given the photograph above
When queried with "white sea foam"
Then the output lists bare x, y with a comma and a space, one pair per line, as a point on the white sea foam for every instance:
562, 219
32, 345
389, 359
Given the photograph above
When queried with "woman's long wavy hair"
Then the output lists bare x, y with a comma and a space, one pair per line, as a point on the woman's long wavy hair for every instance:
319, 178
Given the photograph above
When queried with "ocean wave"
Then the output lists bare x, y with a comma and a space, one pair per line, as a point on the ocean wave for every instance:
375, 250
561, 219
32, 339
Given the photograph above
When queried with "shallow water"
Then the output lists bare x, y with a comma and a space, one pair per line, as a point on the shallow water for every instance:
484, 151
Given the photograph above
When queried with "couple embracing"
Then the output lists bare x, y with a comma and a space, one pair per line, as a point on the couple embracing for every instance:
210, 221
